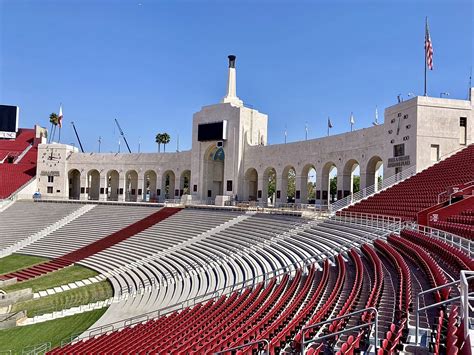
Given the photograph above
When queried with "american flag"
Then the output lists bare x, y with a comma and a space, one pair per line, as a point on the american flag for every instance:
428, 48
60, 116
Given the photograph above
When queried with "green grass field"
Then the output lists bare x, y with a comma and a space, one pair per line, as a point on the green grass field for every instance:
16, 339
53, 279
18, 261
79, 296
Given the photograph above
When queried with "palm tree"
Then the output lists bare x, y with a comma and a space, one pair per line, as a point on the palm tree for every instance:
53, 119
165, 139
158, 139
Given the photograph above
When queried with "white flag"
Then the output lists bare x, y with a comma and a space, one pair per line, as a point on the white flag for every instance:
352, 118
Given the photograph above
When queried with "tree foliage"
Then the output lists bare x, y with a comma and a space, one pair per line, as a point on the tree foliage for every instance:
162, 138
333, 188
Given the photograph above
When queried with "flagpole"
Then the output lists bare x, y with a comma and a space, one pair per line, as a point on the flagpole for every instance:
426, 28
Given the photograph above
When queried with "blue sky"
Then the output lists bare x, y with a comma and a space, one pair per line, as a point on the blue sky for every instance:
152, 64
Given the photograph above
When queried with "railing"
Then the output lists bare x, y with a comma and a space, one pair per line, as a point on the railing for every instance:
386, 223
346, 330
39, 349
465, 301
370, 190
445, 195
267, 344
466, 245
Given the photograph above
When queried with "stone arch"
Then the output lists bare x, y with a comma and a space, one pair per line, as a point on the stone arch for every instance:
250, 185
214, 160
131, 185
74, 179
373, 171
112, 188
93, 184
307, 184
150, 179
269, 183
288, 184
167, 184
185, 183
348, 177
329, 171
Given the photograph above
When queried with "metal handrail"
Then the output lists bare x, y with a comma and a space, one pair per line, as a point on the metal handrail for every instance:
316, 325
464, 297
246, 345
469, 185
449, 238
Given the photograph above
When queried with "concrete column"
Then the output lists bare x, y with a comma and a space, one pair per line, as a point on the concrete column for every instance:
103, 185
263, 188
340, 184
159, 186
177, 185
279, 188
318, 187
83, 188
301, 185
122, 187
140, 186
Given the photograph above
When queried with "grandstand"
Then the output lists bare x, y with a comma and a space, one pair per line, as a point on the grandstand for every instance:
157, 253
17, 162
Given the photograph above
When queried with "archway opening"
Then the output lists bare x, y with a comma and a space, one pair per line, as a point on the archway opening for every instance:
74, 178
307, 185
374, 173
184, 183
167, 186
214, 173
269, 195
112, 189
93, 184
150, 193
351, 177
250, 186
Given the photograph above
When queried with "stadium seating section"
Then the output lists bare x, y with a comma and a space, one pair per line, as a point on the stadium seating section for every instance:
17, 162
461, 224
421, 190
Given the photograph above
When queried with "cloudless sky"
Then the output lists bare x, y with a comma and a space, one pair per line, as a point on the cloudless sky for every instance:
152, 64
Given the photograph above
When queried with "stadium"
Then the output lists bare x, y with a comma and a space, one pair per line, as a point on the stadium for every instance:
357, 242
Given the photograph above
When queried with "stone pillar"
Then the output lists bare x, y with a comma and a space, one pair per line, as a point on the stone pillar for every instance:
262, 190
103, 188
340, 184
301, 189
177, 186
140, 188
84, 186
280, 196
319, 193
122, 185
159, 182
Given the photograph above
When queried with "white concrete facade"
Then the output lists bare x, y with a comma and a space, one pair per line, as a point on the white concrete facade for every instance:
424, 129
